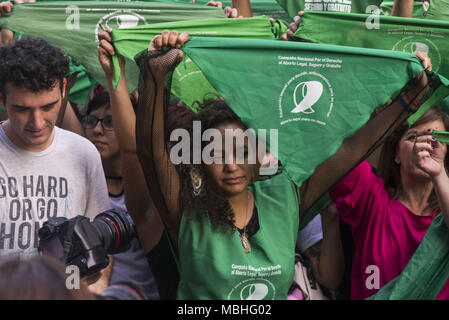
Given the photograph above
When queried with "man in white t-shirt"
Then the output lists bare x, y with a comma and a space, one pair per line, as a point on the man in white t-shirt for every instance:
45, 171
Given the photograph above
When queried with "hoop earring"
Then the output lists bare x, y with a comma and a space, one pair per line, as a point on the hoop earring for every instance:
196, 180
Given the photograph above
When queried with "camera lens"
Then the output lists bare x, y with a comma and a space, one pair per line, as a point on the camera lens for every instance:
115, 230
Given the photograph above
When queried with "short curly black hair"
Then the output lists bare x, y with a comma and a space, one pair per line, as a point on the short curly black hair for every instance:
32, 64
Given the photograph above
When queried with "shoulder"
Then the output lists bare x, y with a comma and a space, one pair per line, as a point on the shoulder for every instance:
280, 187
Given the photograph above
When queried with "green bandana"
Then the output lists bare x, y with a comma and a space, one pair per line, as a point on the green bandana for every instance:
438, 10
399, 34
309, 90
189, 83
73, 25
394, 33
347, 6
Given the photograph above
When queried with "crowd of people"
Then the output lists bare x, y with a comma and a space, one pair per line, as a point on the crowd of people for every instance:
203, 230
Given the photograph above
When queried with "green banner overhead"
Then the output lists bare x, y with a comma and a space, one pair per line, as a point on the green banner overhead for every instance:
390, 33
73, 25
311, 92
189, 83
356, 6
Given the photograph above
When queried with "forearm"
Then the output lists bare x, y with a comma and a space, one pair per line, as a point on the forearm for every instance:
71, 122
243, 7
160, 174
331, 262
402, 8
441, 185
137, 198
123, 114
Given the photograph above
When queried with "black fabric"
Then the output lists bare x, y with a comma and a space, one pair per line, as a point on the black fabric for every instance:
164, 268
253, 224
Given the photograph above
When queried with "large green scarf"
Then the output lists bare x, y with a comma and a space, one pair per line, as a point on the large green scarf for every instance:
347, 6
314, 95
189, 83
56, 22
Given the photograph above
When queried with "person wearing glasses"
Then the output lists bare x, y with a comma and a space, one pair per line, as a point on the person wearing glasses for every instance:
131, 265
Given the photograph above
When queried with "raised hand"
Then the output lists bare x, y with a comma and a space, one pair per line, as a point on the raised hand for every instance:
293, 27
163, 63
428, 154
5, 7
229, 12
418, 87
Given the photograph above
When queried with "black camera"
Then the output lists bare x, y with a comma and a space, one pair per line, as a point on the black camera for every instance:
86, 244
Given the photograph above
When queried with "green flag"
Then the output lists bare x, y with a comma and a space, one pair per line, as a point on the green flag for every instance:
427, 271
268, 8
390, 33
347, 6
189, 83
438, 10
73, 25
313, 95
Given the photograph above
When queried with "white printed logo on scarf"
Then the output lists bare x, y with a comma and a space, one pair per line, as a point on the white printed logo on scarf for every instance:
416, 43
307, 96
253, 289
119, 19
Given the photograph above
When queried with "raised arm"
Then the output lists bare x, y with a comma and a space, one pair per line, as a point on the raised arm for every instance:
326, 256
402, 8
137, 197
243, 7
160, 174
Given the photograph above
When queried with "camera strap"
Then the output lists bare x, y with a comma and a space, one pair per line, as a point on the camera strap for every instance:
67, 244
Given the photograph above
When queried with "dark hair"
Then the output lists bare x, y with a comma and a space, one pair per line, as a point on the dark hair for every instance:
99, 101
389, 170
211, 201
102, 100
37, 278
32, 64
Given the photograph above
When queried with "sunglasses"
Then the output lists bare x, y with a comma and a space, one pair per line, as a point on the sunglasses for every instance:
90, 122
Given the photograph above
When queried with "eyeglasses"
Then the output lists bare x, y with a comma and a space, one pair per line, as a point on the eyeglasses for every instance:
90, 122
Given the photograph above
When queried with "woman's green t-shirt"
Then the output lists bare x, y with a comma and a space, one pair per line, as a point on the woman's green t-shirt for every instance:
213, 265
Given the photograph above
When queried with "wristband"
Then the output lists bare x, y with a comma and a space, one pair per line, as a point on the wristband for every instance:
407, 102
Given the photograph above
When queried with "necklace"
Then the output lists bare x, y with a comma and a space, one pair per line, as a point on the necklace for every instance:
244, 236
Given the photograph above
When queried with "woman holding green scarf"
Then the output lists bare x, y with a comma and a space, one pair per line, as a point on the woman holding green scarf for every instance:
235, 237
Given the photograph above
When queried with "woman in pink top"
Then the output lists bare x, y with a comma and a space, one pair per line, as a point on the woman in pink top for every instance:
389, 214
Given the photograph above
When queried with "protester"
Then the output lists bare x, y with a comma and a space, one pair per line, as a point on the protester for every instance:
389, 215
41, 175
130, 266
